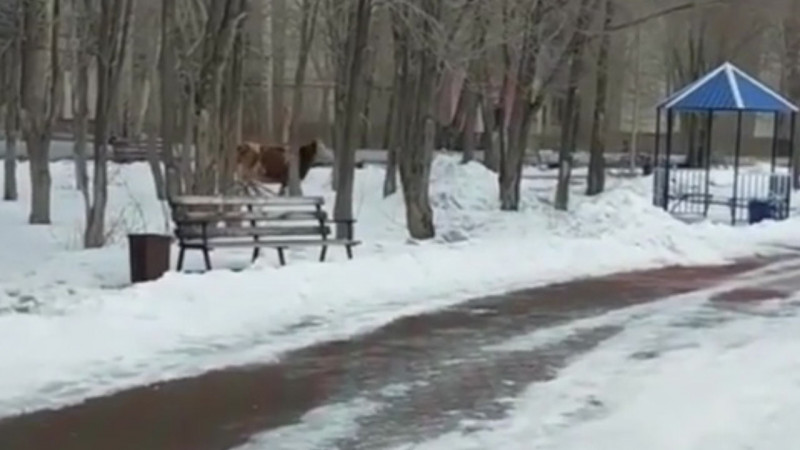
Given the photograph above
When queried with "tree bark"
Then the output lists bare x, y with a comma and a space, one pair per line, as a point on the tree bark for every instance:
470, 120
597, 163
522, 111
112, 43
279, 37
389, 139
10, 192
791, 34
40, 98
308, 21
80, 97
416, 77
170, 106
570, 121
12, 112
349, 86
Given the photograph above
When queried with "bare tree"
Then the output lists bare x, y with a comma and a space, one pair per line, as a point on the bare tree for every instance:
211, 130
41, 96
170, 101
355, 16
570, 120
308, 22
110, 44
82, 15
416, 27
597, 167
11, 87
791, 62
278, 20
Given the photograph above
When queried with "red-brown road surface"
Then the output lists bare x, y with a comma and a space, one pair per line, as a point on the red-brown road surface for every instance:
438, 356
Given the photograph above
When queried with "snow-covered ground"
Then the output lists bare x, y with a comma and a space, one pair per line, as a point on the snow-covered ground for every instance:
71, 329
684, 374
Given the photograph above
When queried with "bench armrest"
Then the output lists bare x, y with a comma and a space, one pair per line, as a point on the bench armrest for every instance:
349, 223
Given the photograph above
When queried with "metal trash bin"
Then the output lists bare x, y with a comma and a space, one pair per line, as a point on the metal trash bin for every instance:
759, 210
149, 256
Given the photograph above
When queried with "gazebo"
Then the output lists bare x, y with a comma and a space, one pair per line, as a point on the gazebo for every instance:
687, 191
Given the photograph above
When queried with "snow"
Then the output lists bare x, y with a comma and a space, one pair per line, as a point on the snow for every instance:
320, 428
715, 379
78, 331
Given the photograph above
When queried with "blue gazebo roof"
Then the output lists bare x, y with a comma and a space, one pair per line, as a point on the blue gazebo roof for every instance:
728, 88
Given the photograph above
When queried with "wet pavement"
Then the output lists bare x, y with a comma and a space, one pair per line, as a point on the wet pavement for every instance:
443, 361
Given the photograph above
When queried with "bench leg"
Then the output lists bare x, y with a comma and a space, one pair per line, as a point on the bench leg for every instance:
281, 256
181, 253
323, 253
256, 253
349, 250
207, 259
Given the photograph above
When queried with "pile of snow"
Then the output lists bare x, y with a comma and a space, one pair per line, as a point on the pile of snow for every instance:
75, 338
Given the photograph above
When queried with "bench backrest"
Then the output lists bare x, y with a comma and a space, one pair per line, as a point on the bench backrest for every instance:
221, 216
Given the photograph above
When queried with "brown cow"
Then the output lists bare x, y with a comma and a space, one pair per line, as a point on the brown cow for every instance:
258, 163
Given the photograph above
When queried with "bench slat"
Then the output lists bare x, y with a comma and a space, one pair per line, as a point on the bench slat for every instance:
190, 232
201, 200
256, 215
284, 243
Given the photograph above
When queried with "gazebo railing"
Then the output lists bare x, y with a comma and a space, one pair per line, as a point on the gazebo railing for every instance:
692, 193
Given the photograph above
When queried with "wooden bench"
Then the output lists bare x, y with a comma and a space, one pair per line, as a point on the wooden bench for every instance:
208, 222
124, 151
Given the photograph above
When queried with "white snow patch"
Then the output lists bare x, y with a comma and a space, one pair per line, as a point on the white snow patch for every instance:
319, 429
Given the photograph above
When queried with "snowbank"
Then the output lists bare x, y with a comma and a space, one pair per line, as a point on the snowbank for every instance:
73, 338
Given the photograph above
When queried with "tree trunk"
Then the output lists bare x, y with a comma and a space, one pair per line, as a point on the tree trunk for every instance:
170, 106
389, 139
41, 182
40, 98
470, 120
791, 34
491, 151
419, 214
80, 97
10, 192
512, 152
308, 22
279, 38
365, 110
597, 164
416, 68
570, 121
637, 93
112, 37
349, 86
10, 161
154, 159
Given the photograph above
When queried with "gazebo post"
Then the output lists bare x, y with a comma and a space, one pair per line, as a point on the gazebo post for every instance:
668, 157
790, 164
707, 150
736, 166
775, 130
656, 162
